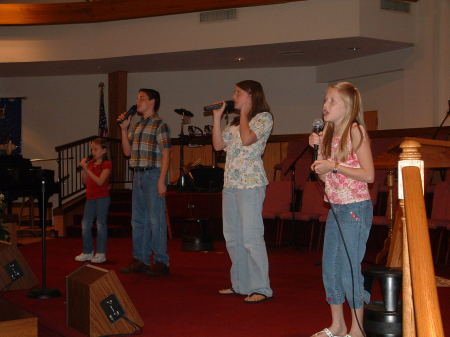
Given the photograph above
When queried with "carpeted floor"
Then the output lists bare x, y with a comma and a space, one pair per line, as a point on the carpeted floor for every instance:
186, 303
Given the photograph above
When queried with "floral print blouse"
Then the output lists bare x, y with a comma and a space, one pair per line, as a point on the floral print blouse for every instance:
244, 166
341, 189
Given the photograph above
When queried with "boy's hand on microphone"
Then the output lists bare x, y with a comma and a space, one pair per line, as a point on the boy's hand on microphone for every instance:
124, 123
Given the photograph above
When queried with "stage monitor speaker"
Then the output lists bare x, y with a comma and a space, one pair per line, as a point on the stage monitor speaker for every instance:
97, 303
15, 273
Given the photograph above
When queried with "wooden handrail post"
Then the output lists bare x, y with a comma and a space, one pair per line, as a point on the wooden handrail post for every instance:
410, 156
408, 326
423, 280
421, 314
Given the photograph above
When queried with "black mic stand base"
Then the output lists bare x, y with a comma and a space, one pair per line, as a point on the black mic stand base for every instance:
44, 293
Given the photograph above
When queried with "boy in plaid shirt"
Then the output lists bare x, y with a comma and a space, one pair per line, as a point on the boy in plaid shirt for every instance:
148, 146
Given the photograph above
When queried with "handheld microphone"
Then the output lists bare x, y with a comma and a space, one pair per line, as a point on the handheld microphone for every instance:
317, 127
131, 112
89, 158
229, 106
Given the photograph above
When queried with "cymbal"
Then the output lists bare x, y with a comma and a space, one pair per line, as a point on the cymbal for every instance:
184, 112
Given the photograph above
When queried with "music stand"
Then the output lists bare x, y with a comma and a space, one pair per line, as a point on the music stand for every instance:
43, 292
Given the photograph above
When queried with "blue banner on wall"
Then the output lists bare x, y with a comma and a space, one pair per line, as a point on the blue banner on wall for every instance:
11, 122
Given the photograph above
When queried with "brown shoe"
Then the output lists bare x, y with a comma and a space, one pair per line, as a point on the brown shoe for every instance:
158, 269
135, 266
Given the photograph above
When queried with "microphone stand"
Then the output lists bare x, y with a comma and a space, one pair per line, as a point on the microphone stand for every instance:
291, 169
44, 292
440, 126
442, 170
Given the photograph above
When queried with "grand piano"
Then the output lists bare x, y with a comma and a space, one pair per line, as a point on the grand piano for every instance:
19, 178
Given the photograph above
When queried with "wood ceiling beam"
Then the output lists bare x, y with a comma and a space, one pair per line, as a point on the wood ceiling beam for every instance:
100, 11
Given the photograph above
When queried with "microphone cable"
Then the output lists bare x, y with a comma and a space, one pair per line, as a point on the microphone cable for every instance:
346, 252
138, 329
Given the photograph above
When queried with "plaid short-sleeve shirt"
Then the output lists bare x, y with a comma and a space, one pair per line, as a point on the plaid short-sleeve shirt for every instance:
148, 138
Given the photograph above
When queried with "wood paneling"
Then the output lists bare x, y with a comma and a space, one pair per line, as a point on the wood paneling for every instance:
276, 149
271, 157
16, 322
204, 155
98, 11
371, 120
117, 100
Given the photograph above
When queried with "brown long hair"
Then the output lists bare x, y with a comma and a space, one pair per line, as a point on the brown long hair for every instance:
352, 100
259, 103
104, 144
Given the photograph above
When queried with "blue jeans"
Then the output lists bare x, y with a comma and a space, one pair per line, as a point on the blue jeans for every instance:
148, 218
243, 229
95, 208
355, 220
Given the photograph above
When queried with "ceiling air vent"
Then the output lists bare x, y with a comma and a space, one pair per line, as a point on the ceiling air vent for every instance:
221, 15
395, 5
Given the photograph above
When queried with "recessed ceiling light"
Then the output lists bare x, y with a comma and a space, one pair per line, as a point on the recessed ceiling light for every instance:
354, 49
292, 52
239, 59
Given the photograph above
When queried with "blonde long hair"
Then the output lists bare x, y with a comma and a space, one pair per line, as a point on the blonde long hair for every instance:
352, 100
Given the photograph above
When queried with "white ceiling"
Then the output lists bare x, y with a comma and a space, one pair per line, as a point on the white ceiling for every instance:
292, 54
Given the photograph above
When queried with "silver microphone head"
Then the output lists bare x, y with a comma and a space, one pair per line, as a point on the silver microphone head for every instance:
317, 125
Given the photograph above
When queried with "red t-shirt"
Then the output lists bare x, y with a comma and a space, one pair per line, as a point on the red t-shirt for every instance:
94, 191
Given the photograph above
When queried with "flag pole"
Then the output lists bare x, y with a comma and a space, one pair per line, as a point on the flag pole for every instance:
102, 121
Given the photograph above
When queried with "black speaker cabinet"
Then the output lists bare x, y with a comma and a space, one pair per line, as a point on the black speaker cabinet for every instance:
15, 273
97, 303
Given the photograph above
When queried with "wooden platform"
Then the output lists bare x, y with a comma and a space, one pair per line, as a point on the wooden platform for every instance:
16, 322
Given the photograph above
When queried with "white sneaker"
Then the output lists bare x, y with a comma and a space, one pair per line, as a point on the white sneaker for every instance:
98, 258
83, 257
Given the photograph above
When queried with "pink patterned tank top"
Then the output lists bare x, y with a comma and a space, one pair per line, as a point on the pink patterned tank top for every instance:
341, 189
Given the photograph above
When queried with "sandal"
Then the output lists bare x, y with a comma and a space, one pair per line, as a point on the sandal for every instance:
228, 292
264, 299
326, 331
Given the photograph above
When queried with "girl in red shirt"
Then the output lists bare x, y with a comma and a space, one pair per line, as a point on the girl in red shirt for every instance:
95, 175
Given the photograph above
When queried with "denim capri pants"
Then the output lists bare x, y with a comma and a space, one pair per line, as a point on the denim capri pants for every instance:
340, 281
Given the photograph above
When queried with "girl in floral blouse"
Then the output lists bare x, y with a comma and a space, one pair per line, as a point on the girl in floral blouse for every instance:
345, 165
245, 181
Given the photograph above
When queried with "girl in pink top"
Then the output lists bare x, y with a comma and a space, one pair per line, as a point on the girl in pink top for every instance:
345, 164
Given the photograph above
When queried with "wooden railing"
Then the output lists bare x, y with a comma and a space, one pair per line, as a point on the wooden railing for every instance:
69, 155
424, 316
410, 247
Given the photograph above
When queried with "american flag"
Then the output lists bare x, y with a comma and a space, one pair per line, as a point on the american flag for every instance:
102, 122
